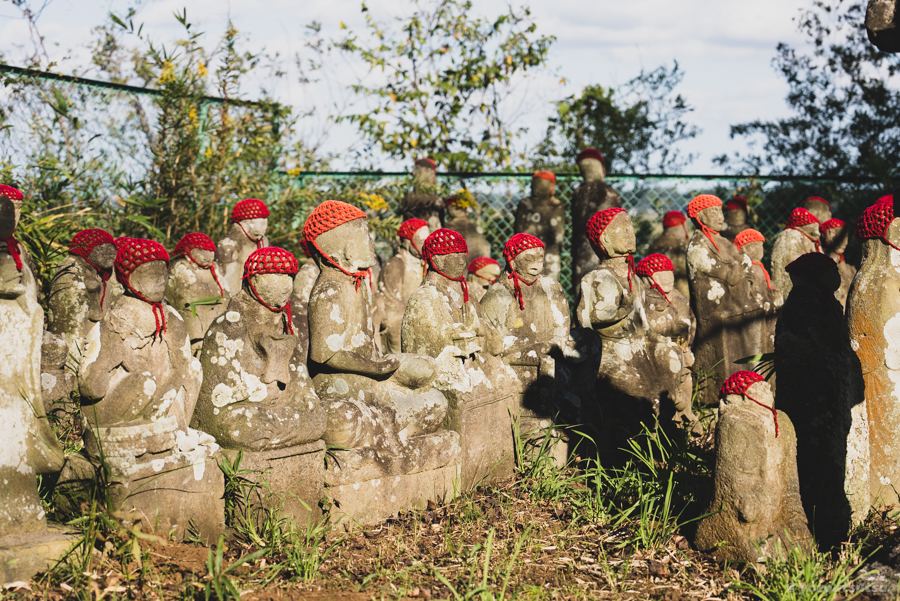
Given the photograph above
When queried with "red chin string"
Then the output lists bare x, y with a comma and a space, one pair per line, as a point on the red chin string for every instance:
517, 279
358, 276
817, 242
628, 259
159, 313
772, 409
104, 276
765, 273
708, 232
257, 241
212, 270
658, 287
285, 310
13, 247
461, 279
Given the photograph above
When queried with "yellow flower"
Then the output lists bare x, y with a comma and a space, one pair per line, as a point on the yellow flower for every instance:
201, 70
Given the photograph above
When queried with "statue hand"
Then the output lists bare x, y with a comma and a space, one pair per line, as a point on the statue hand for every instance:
415, 371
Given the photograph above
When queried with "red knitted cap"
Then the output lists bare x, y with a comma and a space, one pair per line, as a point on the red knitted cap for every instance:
674, 218
589, 153
409, 228
738, 203
443, 242
249, 208
704, 201
800, 217
747, 236
426, 162
191, 241
653, 263
270, 259
598, 223
134, 252
86, 240
328, 216
518, 244
479, 263
831, 224
822, 200
305, 246
11, 193
811, 264
874, 221
548, 175
739, 382
888, 198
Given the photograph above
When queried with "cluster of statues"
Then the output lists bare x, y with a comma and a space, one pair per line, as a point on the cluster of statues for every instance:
421, 380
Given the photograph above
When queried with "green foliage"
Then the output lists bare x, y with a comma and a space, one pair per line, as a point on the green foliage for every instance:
221, 586
446, 73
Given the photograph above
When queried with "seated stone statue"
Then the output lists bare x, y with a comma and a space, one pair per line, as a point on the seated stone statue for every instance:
819, 207
835, 236
139, 384
800, 236
756, 512
257, 395
750, 242
673, 243
736, 216
481, 274
380, 407
79, 290
423, 202
306, 277
249, 222
640, 371
459, 207
399, 278
442, 321
29, 446
543, 216
193, 277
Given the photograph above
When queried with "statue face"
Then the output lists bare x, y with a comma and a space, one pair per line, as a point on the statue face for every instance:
754, 250
359, 250
491, 272
712, 217
812, 229
541, 188
735, 217
274, 289
591, 170
836, 240
423, 176
103, 256
203, 257
419, 239
821, 210
455, 212
618, 237
9, 217
149, 279
255, 228
762, 392
452, 265
529, 264
666, 280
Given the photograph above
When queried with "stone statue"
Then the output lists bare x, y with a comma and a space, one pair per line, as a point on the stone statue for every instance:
29, 446
442, 321
401, 275
834, 236
139, 384
482, 273
873, 315
544, 217
736, 216
640, 372
458, 207
593, 195
800, 236
750, 242
257, 396
820, 387
249, 222
79, 292
756, 508
423, 202
881, 26
381, 408
729, 317
673, 243
306, 277
819, 207
57, 382
193, 277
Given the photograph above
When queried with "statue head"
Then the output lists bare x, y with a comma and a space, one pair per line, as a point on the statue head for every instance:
877, 225
815, 269
412, 234
10, 210
819, 207
706, 210
252, 216
658, 272
524, 256
542, 184
486, 269
424, 173
590, 165
95, 246
803, 220
746, 388
142, 267
340, 233
611, 233
269, 276
835, 235
736, 211
675, 220
446, 252
198, 248
459, 205
750, 242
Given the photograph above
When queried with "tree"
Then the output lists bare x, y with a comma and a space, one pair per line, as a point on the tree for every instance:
446, 76
636, 127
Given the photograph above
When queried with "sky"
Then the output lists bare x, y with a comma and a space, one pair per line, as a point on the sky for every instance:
724, 47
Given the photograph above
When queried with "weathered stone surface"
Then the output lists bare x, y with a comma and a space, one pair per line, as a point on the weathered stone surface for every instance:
235, 248
673, 243
736, 218
756, 508
423, 202
819, 207
189, 282
57, 382
834, 236
820, 386
481, 275
881, 25
24, 555
305, 280
761, 290
543, 216
399, 278
458, 219
790, 244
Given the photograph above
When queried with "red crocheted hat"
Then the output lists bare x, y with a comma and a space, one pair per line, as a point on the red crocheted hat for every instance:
305, 246
518, 244
811, 264
831, 224
134, 252
547, 175
11, 193
738, 203
674, 218
747, 236
598, 223
409, 228
249, 208
589, 153
800, 217
328, 216
443, 242
887, 198
703, 201
479, 263
819, 199
874, 221
191, 241
739, 382
426, 162
653, 263
270, 259
86, 240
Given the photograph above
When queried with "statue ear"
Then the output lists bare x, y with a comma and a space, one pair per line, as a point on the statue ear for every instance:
892, 232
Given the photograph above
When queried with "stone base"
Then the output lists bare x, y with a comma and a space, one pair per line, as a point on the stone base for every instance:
486, 436
536, 436
24, 555
294, 481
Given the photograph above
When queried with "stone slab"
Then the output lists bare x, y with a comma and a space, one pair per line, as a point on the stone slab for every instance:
24, 555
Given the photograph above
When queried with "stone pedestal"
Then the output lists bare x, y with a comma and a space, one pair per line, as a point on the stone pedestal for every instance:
24, 555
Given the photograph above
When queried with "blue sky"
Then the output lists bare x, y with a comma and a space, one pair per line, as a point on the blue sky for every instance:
725, 48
